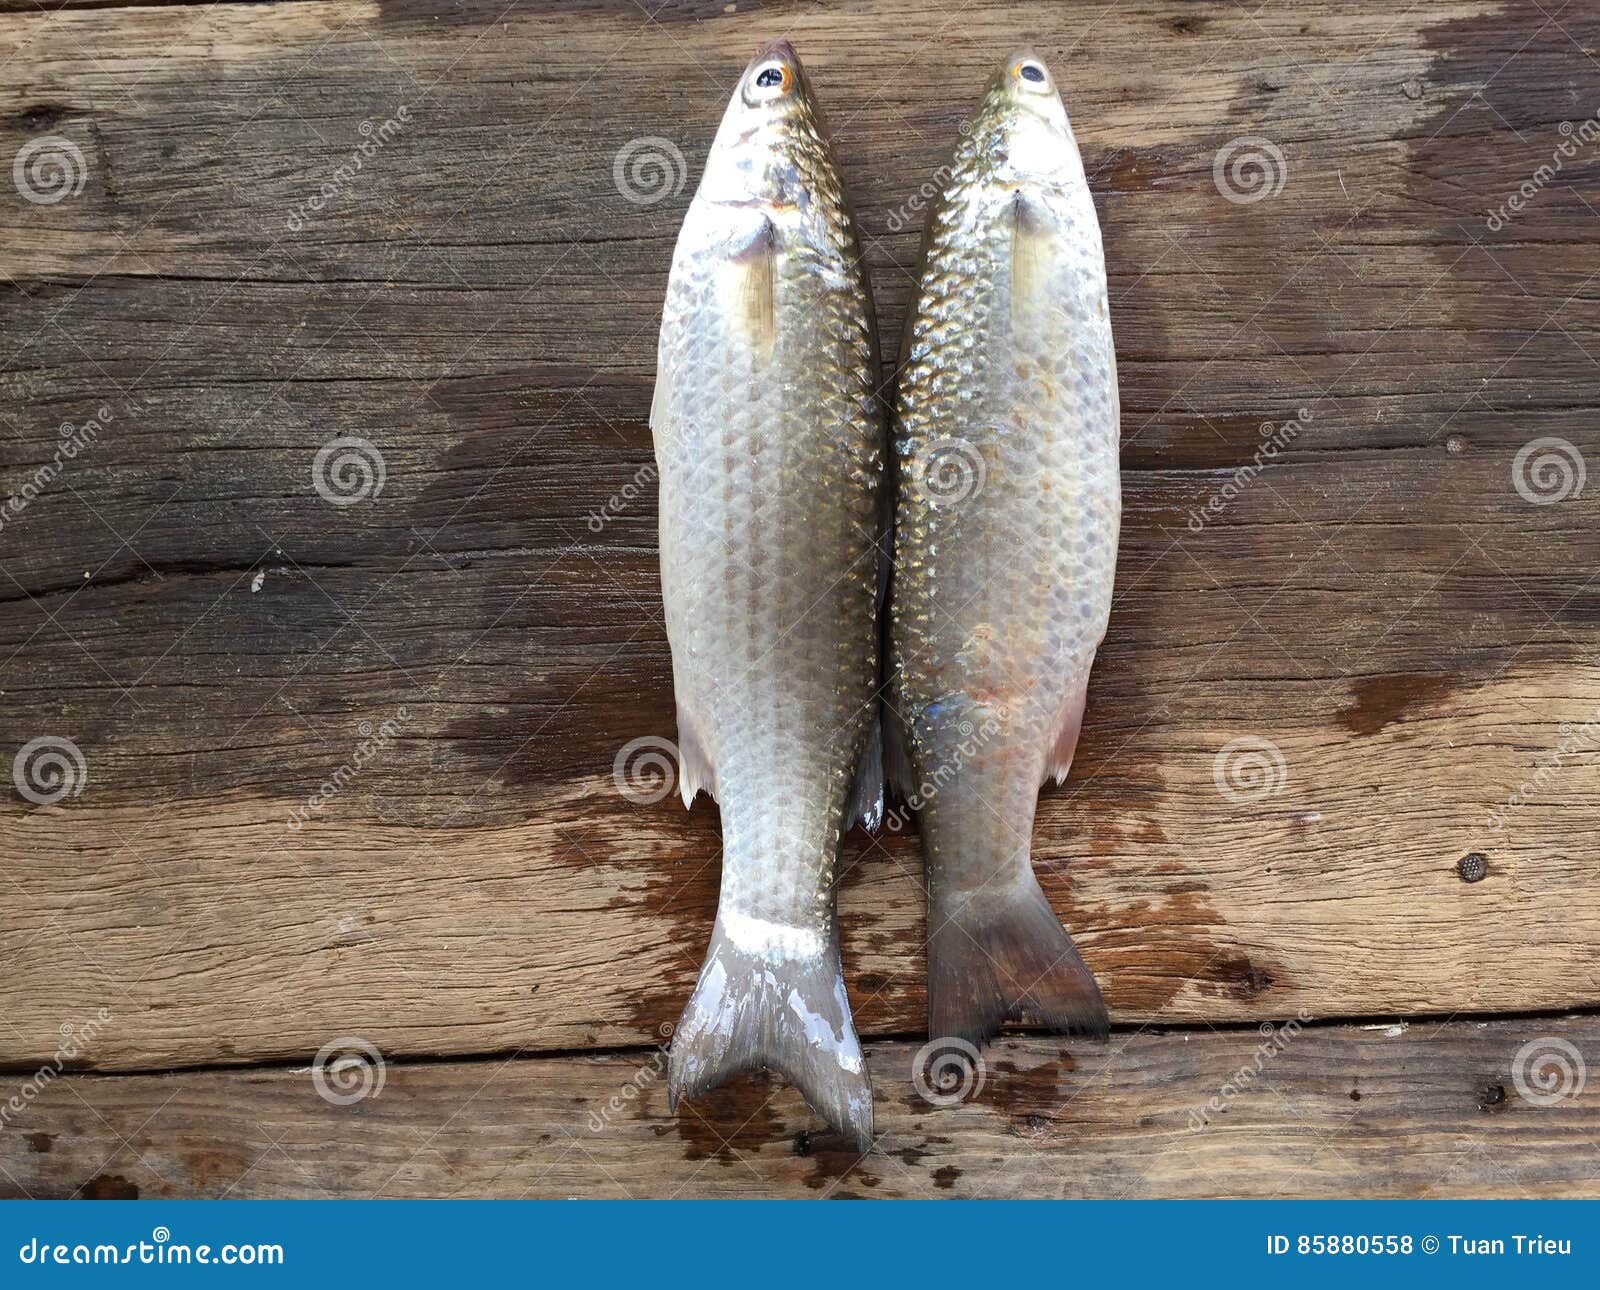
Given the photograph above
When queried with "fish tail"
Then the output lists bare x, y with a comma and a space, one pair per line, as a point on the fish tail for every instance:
1000, 954
774, 998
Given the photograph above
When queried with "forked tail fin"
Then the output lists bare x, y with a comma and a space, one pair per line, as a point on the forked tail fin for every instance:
774, 997
1001, 954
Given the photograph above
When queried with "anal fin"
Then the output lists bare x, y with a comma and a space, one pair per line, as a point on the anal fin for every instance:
695, 770
866, 794
1069, 724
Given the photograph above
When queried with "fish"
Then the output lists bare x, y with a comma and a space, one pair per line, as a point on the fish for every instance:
770, 444
1005, 438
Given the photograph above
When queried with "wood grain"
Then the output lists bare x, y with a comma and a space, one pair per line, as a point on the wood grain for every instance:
1429, 1110
479, 302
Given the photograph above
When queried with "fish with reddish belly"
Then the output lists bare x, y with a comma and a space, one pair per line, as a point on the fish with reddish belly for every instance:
1005, 437
769, 440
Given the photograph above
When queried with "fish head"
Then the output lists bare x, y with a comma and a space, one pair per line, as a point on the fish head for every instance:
1023, 125
770, 136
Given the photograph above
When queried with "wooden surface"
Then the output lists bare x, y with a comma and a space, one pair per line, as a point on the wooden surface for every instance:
1429, 1110
479, 302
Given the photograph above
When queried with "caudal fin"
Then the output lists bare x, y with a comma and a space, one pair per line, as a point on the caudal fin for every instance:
1001, 954
775, 1001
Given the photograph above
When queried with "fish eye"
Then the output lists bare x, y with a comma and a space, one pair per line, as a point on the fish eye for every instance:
1031, 72
771, 81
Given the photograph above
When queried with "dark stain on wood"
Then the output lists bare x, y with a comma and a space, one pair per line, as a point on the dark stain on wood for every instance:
736, 1116
1380, 700
38, 118
107, 1187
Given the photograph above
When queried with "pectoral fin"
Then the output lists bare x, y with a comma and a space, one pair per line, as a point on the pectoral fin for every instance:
750, 281
1033, 256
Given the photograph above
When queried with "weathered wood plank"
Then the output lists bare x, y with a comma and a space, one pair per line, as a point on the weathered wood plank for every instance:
479, 302
583, 923
1433, 1110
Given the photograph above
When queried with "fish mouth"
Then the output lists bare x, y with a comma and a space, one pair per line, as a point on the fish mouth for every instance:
779, 50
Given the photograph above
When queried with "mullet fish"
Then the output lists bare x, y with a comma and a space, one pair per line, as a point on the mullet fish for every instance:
769, 439
1005, 435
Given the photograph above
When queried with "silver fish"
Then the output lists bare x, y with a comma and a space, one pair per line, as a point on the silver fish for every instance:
1005, 436
769, 439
